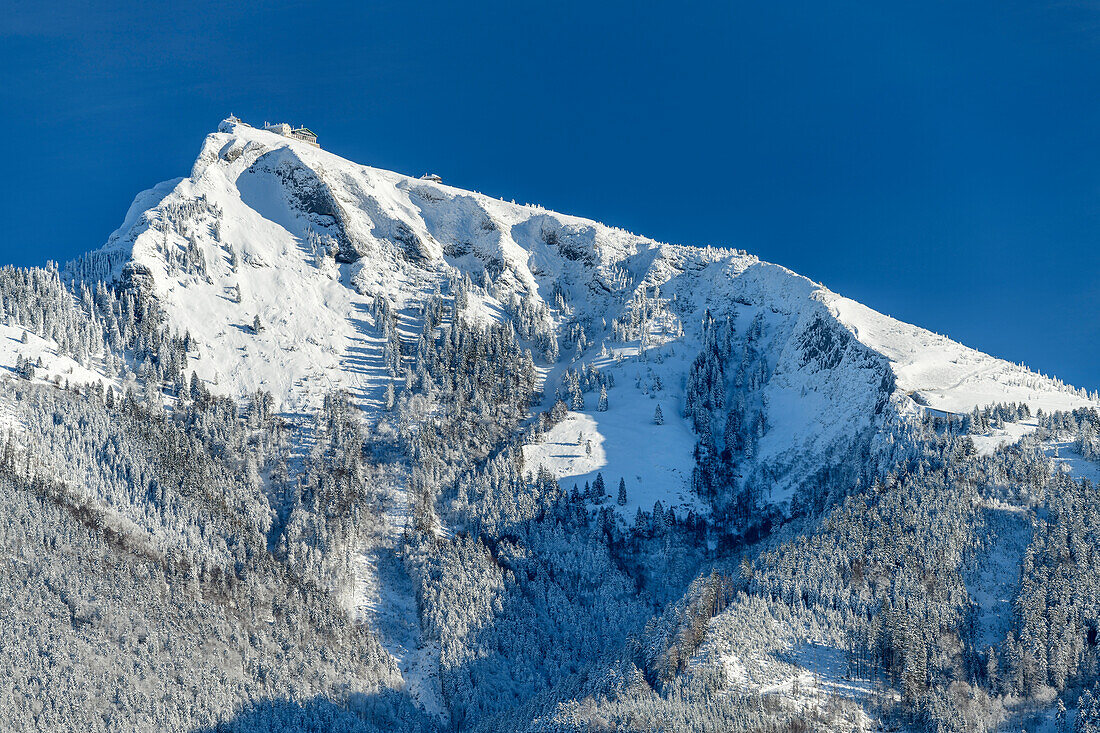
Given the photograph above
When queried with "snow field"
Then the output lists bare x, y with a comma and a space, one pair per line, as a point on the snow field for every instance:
993, 583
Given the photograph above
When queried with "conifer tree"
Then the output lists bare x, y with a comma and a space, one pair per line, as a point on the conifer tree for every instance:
196, 388
558, 411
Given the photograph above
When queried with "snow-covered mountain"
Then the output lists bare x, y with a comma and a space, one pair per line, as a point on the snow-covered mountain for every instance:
273, 228
353, 448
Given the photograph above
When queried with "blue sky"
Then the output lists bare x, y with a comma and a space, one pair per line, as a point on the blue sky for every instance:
939, 161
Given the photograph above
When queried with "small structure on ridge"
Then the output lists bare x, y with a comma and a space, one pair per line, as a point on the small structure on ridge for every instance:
304, 134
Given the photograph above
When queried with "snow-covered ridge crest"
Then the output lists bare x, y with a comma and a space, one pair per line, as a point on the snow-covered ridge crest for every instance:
271, 228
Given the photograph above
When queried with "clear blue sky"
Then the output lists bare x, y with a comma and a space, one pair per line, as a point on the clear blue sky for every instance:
939, 161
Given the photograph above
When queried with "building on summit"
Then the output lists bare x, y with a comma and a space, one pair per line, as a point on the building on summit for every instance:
304, 134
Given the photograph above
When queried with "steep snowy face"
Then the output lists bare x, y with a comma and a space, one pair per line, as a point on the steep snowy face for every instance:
272, 253
273, 233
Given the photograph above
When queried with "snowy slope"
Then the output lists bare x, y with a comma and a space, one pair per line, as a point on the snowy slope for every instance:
654, 461
944, 375
50, 367
56, 368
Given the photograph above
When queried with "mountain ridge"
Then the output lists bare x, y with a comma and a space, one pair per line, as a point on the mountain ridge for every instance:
339, 444
413, 222
306, 242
